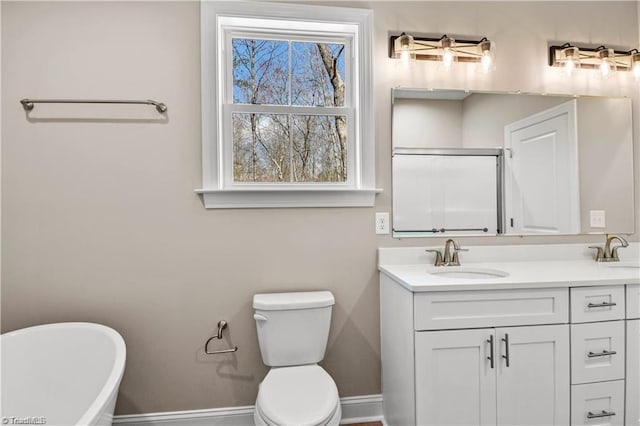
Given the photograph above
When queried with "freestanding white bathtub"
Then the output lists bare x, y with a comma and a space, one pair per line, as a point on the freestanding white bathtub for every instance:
61, 374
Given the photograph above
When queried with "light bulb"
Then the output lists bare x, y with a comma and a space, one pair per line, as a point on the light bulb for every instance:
607, 62
448, 53
404, 47
447, 58
486, 58
405, 56
605, 69
486, 61
571, 59
569, 67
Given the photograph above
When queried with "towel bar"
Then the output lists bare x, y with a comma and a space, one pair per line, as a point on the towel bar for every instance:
28, 104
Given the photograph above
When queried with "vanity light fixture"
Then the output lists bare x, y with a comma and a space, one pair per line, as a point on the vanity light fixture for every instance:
445, 49
604, 59
635, 63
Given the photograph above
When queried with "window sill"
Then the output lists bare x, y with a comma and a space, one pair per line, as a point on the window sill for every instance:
283, 198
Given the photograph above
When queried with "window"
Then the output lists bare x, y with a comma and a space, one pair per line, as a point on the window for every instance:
287, 106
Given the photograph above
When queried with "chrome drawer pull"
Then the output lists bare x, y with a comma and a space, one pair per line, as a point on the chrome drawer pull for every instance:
490, 357
506, 348
603, 353
604, 413
601, 305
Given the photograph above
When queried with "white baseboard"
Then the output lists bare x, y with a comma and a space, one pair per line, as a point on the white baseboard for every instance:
361, 409
355, 409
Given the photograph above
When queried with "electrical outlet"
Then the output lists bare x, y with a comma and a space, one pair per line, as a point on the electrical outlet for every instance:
597, 219
382, 223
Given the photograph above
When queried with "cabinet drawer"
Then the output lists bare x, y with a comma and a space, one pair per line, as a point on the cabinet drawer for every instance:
633, 301
491, 308
602, 303
598, 403
597, 352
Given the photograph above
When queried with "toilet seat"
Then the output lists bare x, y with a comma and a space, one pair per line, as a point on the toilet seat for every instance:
302, 395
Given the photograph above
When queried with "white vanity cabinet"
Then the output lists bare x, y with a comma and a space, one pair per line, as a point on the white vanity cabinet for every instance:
573, 355
503, 376
445, 356
569, 328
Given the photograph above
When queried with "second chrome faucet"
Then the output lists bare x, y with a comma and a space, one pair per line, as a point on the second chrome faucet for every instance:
609, 253
450, 258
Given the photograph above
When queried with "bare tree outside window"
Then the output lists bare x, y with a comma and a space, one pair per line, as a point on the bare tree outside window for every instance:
293, 147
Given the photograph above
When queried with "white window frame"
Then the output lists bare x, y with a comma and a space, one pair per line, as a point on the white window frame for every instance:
220, 21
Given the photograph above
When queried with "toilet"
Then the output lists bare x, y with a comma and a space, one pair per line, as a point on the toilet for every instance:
293, 329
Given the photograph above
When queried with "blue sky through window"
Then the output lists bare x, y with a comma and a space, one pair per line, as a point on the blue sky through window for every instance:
280, 72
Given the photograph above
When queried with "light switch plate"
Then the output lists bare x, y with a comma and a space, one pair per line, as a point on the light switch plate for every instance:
597, 218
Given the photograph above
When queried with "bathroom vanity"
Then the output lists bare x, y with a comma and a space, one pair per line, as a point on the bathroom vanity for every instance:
516, 335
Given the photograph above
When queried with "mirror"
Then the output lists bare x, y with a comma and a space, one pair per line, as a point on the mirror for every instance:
487, 163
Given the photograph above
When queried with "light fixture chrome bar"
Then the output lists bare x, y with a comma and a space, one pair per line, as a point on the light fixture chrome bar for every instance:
28, 104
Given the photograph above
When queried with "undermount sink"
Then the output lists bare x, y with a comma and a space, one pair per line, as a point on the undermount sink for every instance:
469, 273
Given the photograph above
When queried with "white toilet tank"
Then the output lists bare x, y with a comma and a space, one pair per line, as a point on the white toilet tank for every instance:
293, 328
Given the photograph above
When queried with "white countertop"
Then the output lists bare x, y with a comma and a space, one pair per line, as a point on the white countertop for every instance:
568, 266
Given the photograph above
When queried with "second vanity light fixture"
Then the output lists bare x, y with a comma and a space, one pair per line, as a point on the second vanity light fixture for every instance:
444, 49
607, 61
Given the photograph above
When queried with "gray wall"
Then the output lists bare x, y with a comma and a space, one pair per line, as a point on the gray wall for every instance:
100, 222
419, 123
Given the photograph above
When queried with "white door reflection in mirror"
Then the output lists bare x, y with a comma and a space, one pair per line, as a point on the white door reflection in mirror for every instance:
541, 173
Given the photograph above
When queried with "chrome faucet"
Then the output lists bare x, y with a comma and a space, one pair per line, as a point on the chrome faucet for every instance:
449, 258
609, 253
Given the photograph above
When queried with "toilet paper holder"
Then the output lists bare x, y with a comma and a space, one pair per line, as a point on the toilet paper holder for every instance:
222, 324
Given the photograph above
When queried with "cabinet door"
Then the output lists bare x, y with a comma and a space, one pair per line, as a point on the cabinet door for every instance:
455, 380
633, 373
533, 375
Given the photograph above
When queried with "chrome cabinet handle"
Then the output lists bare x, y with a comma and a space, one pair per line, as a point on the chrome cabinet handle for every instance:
601, 305
603, 353
506, 348
490, 357
604, 413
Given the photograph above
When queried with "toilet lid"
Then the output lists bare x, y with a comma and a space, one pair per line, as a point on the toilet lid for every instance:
303, 395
